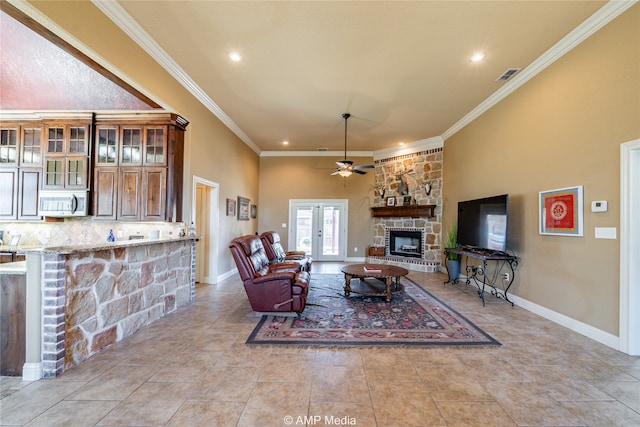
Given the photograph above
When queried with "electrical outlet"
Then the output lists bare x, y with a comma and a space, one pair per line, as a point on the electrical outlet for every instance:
355, 249
505, 276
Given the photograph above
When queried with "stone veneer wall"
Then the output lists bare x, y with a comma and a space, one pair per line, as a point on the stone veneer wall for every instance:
93, 299
415, 170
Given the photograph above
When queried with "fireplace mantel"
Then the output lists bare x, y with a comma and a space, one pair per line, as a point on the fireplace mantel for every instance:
404, 211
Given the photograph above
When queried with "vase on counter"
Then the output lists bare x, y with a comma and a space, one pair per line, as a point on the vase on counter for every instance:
110, 237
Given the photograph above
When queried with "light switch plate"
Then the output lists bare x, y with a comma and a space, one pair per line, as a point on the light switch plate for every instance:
605, 233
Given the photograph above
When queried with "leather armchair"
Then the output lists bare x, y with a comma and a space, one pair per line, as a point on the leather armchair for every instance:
276, 253
280, 287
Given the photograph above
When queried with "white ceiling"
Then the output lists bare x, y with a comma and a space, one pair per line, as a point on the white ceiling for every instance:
400, 68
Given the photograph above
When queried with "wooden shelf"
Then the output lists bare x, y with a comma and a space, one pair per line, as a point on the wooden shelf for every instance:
406, 211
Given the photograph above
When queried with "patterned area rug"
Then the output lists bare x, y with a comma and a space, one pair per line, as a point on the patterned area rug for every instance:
412, 318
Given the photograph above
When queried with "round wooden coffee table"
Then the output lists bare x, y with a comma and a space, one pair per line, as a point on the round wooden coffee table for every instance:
388, 274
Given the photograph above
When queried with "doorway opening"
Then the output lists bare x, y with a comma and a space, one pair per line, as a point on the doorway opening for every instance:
205, 207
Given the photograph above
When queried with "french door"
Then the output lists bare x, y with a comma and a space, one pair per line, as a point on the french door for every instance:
319, 227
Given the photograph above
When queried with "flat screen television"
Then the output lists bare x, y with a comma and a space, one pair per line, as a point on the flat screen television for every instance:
482, 223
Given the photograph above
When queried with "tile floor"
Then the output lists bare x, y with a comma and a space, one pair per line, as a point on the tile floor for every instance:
192, 368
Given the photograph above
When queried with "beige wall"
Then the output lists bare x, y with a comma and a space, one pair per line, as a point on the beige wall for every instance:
285, 178
213, 152
562, 128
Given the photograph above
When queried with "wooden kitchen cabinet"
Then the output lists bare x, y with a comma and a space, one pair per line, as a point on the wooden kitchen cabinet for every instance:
20, 170
66, 155
138, 167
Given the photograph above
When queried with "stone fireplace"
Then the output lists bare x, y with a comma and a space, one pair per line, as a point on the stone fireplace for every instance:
409, 241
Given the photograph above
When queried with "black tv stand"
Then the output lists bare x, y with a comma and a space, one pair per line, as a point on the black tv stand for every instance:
476, 274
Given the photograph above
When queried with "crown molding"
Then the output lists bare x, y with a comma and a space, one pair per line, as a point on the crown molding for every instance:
315, 153
602, 17
123, 20
411, 148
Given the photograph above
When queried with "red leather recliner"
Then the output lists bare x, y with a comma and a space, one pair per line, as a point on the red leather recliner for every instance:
280, 287
275, 252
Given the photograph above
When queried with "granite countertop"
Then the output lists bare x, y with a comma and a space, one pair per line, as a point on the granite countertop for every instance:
17, 249
92, 247
19, 267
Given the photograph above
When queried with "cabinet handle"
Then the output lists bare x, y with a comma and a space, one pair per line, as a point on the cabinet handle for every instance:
74, 203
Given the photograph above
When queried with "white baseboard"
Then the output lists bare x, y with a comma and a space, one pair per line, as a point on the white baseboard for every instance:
226, 275
588, 331
355, 259
31, 371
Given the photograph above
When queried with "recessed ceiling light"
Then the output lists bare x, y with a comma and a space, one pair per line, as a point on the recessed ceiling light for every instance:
285, 142
235, 56
477, 57
401, 143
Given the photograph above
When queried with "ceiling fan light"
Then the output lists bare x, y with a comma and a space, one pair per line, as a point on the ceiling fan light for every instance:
344, 173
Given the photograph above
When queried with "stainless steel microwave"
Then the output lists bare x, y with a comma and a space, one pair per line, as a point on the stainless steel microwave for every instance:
63, 203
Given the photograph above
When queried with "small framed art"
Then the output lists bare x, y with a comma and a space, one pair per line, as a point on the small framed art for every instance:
254, 211
561, 211
243, 208
231, 207
391, 201
13, 241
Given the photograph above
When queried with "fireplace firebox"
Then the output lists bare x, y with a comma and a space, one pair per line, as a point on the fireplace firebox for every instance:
405, 243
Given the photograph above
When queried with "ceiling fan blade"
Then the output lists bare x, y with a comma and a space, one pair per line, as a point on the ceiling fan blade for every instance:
341, 164
359, 171
336, 172
364, 167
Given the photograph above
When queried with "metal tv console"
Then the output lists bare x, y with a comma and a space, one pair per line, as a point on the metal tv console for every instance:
476, 274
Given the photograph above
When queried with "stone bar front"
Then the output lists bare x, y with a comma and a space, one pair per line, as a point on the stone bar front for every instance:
95, 295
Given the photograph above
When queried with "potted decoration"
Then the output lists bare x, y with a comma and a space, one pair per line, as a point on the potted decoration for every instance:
453, 259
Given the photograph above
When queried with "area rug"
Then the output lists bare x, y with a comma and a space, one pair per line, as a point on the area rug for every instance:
412, 318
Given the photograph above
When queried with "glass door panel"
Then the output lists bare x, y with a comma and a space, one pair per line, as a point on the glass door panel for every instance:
303, 230
330, 231
318, 228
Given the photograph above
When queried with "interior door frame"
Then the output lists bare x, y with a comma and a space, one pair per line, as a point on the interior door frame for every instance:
629, 329
213, 221
344, 203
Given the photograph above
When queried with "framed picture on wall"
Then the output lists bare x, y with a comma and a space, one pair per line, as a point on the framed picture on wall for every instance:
560, 211
243, 208
231, 207
391, 201
254, 211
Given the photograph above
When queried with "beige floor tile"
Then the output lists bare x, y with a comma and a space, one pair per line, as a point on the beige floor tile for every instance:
627, 393
73, 413
141, 413
452, 382
404, 404
229, 383
31, 401
116, 384
271, 404
530, 404
341, 413
610, 414
340, 384
206, 413
474, 414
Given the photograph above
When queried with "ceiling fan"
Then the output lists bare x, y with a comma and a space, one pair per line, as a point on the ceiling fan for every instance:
345, 166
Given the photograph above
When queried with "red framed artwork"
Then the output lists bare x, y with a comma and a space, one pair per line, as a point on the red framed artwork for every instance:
561, 211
